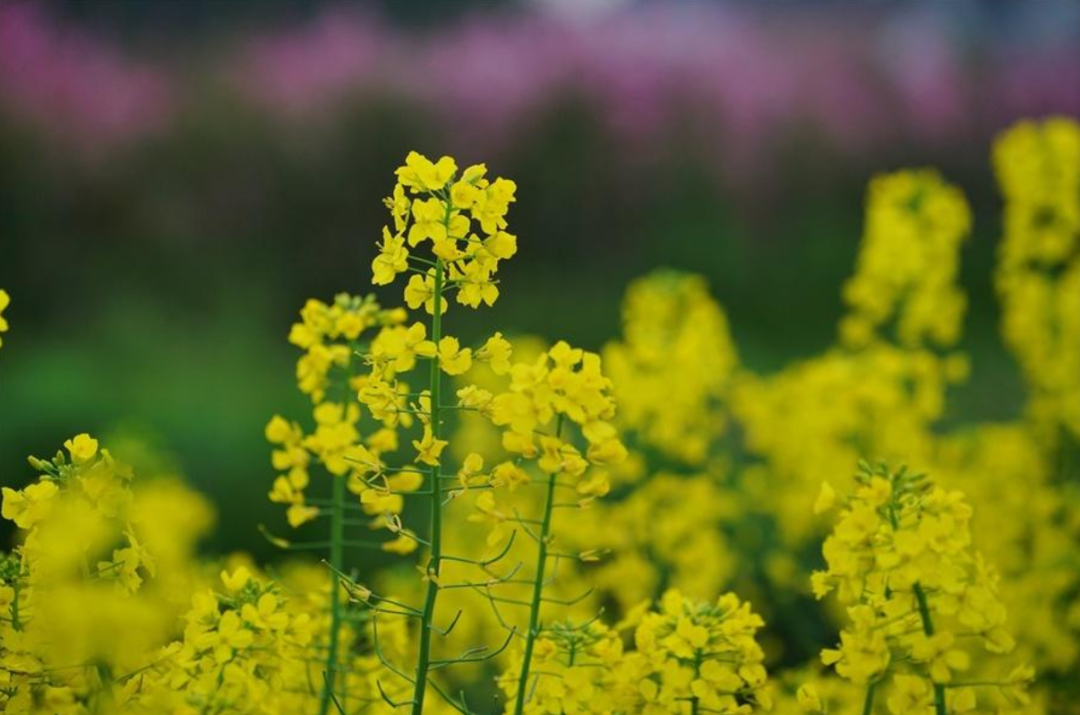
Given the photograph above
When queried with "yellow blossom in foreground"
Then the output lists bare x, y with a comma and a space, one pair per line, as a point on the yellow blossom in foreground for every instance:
921, 605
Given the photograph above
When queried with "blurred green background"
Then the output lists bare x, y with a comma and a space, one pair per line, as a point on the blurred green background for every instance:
176, 178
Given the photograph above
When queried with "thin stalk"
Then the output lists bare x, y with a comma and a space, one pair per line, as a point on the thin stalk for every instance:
868, 704
423, 663
337, 559
538, 589
928, 629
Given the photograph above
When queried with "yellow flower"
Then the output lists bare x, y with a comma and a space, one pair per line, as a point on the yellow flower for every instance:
809, 700
298, 514
420, 290
393, 258
278, 430
429, 448
496, 352
429, 222
402, 545
938, 653
421, 174
471, 467
31, 505
82, 448
475, 284
452, 358
236, 580
909, 694
264, 613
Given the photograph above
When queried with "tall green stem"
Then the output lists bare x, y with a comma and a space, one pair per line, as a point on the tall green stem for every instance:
337, 559
928, 629
428, 615
538, 592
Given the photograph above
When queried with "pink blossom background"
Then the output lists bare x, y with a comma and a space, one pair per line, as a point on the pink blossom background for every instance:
731, 75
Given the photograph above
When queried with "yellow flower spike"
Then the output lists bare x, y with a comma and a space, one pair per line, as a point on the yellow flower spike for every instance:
908, 262
900, 558
1038, 272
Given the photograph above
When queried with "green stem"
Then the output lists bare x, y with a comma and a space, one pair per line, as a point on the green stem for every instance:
337, 559
428, 615
868, 704
538, 589
928, 629
104, 700
697, 672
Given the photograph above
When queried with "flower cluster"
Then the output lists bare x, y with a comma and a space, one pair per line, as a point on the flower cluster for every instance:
330, 336
577, 665
673, 366
923, 607
1038, 276
702, 654
464, 218
563, 387
79, 616
240, 650
667, 530
688, 657
908, 262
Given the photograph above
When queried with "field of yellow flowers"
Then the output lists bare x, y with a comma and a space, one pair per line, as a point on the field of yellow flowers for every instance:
649, 530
